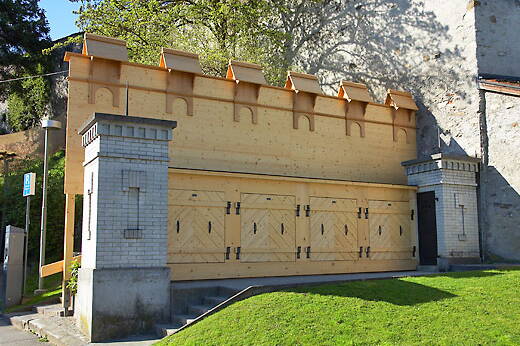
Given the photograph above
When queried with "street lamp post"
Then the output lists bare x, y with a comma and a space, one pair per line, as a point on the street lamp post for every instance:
47, 124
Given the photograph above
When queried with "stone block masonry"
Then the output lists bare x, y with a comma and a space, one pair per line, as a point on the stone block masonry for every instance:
453, 179
124, 282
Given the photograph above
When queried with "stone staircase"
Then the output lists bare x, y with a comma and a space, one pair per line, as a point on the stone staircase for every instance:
190, 305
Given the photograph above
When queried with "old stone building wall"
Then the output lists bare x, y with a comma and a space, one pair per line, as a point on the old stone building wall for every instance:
454, 42
482, 123
500, 176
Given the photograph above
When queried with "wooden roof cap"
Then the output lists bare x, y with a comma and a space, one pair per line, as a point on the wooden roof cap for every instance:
303, 82
104, 47
246, 72
354, 91
180, 61
400, 99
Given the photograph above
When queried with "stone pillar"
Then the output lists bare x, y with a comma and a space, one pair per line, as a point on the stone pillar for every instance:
453, 179
124, 283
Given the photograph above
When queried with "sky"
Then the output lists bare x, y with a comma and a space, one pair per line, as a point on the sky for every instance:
60, 17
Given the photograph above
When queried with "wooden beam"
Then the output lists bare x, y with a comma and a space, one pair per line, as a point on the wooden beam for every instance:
68, 246
56, 267
68, 239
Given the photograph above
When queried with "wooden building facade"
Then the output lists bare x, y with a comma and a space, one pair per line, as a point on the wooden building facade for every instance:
263, 180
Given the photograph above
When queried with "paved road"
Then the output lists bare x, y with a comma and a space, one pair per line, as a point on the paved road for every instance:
11, 336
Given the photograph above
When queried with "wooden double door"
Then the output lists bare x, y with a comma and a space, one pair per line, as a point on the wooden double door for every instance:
275, 228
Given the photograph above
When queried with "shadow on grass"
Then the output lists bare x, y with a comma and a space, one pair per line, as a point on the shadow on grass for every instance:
469, 274
395, 291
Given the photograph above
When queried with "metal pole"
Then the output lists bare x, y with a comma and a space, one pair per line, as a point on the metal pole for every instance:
27, 223
43, 227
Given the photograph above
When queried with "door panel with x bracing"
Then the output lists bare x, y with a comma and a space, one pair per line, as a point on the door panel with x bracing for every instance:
333, 229
196, 226
268, 228
390, 230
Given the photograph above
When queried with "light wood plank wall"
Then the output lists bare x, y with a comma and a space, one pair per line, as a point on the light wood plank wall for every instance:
210, 139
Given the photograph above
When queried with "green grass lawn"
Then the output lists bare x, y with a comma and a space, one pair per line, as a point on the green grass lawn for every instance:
468, 308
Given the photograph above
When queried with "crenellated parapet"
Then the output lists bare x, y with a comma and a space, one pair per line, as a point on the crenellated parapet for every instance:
182, 68
249, 79
106, 57
240, 122
356, 100
403, 112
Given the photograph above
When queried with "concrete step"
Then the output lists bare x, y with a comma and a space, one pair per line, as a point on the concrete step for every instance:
198, 309
164, 330
214, 301
428, 268
227, 291
49, 310
183, 319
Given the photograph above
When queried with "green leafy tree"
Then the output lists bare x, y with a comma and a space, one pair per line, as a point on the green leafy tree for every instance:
27, 102
24, 33
216, 30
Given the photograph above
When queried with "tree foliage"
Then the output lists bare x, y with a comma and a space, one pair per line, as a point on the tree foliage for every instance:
55, 208
216, 30
27, 102
24, 34
369, 41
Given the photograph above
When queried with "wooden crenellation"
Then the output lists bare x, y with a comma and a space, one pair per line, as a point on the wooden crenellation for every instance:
403, 112
248, 80
356, 100
264, 145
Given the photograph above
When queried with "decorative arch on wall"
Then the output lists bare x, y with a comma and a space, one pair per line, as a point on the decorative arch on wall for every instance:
183, 102
356, 100
107, 71
400, 134
248, 78
251, 111
105, 67
99, 90
180, 79
179, 82
309, 117
306, 89
403, 110
354, 128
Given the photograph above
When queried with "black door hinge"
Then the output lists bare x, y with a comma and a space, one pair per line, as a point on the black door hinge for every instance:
298, 210
359, 212
308, 251
228, 208
412, 214
367, 251
237, 251
414, 251
307, 210
366, 213
298, 251
228, 252
237, 208
360, 251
